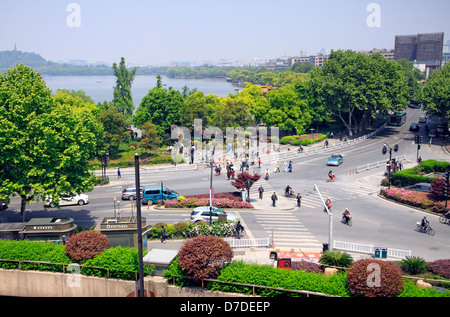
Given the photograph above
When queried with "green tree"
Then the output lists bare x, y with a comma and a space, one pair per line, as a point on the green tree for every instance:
44, 145
302, 67
162, 108
115, 126
150, 138
286, 110
122, 99
436, 93
198, 106
355, 86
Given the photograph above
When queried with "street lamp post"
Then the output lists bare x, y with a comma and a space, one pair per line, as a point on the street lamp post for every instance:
312, 135
330, 219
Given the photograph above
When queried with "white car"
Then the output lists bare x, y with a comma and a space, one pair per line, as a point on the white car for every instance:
202, 214
68, 199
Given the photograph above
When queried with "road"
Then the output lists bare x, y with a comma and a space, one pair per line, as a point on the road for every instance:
375, 220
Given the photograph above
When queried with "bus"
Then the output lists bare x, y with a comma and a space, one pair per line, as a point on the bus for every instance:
398, 118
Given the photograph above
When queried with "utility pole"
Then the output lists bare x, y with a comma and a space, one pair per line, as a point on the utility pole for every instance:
139, 225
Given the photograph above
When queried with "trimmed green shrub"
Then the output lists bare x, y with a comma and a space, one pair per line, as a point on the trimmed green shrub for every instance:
440, 267
410, 289
121, 262
374, 278
26, 250
267, 275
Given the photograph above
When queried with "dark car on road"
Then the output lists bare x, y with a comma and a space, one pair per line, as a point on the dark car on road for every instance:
414, 127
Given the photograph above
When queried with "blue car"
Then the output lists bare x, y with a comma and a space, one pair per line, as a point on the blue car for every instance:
335, 159
151, 195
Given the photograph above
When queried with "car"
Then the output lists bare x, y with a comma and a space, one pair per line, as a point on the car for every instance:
422, 119
421, 187
68, 199
151, 195
414, 127
202, 214
129, 193
335, 159
432, 133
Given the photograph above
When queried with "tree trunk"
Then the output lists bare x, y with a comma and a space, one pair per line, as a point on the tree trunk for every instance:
23, 204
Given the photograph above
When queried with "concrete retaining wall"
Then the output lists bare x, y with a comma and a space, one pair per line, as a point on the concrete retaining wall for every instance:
46, 284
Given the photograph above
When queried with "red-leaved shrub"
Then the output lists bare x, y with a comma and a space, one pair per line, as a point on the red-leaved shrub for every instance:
204, 256
440, 267
374, 278
86, 245
306, 266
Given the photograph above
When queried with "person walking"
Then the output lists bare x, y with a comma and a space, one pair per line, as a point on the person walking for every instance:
274, 199
299, 200
261, 191
290, 166
118, 173
163, 235
239, 229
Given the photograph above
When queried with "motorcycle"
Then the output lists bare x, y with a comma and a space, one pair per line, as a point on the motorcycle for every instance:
345, 221
331, 179
428, 229
289, 194
444, 219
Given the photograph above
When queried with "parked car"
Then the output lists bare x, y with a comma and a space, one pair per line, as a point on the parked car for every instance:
422, 119
202, 214
414, 127
421, 187
335, 159
152, 195
68, 199
129, 193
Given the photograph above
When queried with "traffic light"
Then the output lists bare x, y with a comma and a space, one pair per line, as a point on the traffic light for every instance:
447, 176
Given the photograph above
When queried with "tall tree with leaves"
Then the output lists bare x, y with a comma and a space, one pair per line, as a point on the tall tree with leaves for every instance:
436, 93
354, 86
44, 145
122, 99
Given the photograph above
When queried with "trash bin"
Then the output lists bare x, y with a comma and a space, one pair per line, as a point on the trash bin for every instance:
380, 252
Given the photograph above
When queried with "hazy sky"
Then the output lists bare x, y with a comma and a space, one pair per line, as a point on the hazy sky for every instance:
154, 32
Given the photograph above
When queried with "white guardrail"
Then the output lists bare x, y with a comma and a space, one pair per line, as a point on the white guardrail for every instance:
249, 243
369, 249
378, 164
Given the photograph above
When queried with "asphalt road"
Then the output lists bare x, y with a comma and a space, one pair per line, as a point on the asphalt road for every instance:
375, 220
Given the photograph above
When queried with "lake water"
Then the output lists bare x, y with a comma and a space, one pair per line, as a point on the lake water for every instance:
100, 88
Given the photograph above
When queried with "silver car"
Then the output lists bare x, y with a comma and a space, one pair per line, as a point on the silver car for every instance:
202, 214
129, 193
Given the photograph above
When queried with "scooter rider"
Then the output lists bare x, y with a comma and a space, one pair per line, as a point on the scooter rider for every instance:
425, 223
288, 190
346, 215
330, 175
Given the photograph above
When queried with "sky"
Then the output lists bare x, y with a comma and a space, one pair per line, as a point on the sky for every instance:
148, 32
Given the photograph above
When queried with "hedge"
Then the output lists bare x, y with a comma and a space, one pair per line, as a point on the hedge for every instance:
411, 176
305, 139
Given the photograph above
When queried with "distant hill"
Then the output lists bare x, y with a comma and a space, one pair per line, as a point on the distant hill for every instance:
10, 59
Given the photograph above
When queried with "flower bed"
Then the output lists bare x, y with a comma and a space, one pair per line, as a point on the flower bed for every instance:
221, 200
414, 198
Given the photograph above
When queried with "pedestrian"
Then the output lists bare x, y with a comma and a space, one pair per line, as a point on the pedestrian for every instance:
285, 168
163, 235
290, 166
267, 174
118, 173
261, 191
278, 167
259, 162
299, 200
274, 199
239, 229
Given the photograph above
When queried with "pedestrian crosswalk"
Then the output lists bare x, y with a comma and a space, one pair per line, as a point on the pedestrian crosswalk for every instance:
286, 231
